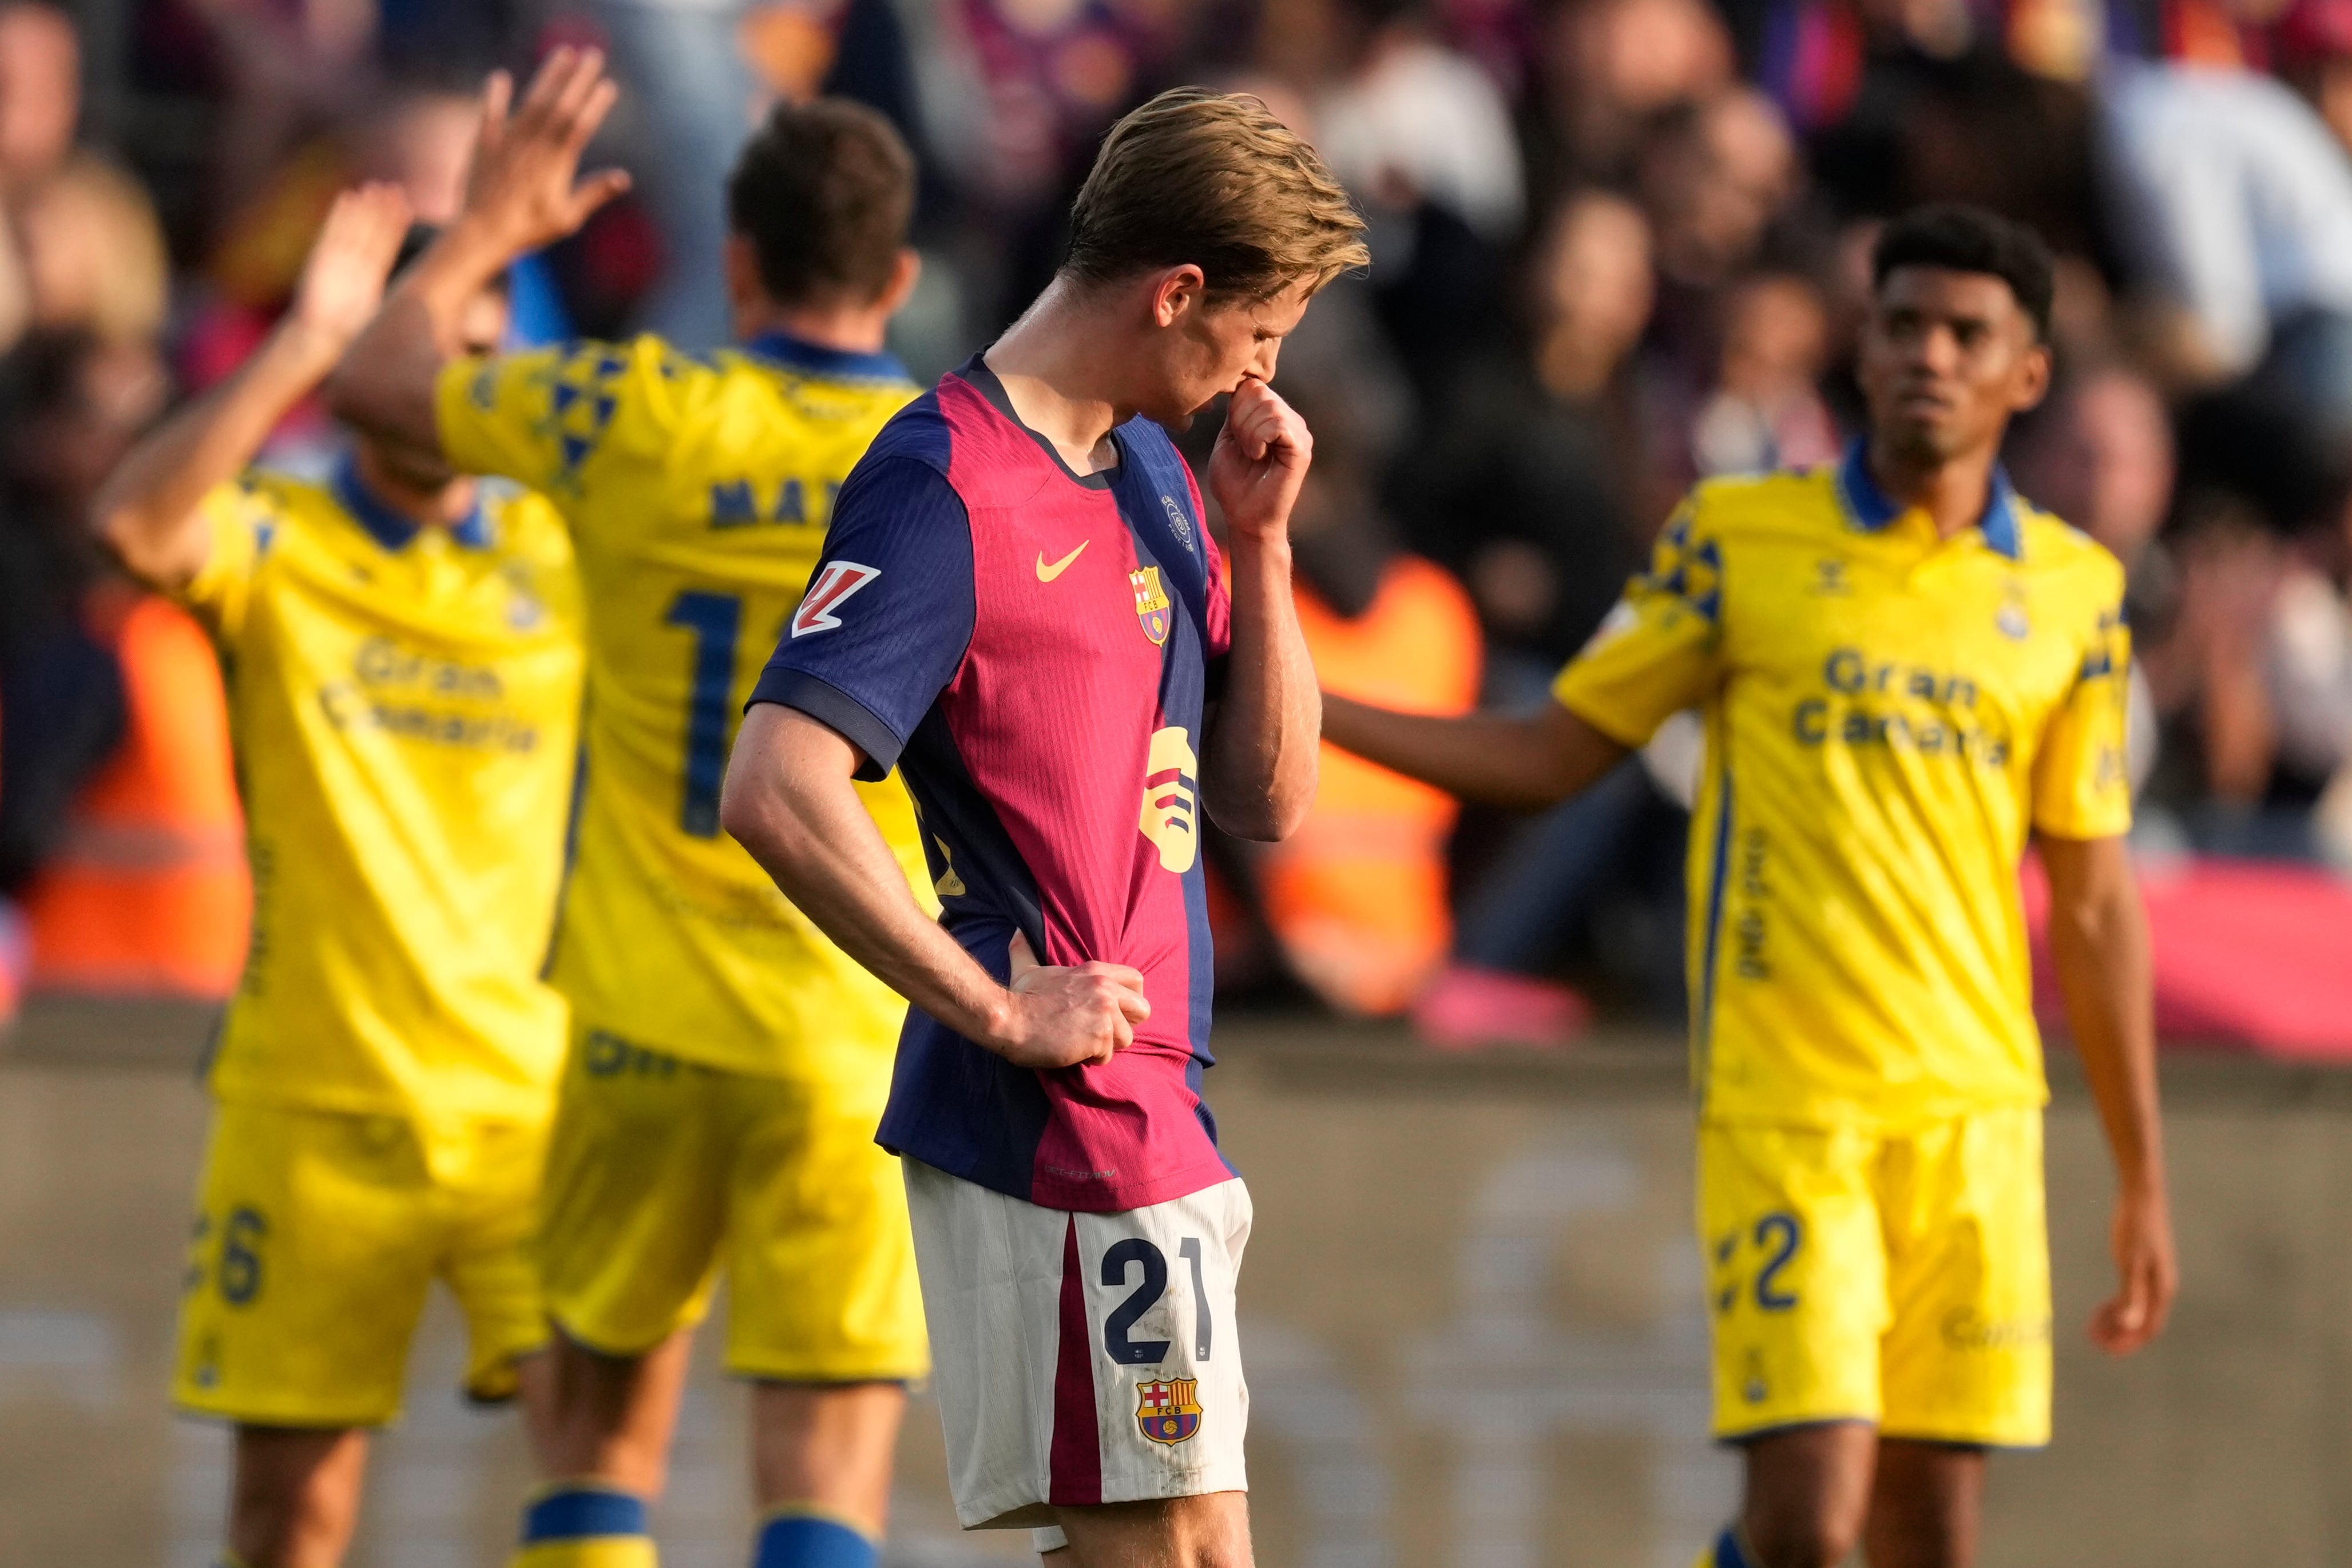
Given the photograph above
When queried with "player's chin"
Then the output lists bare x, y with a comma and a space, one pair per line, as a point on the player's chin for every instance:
1920, 439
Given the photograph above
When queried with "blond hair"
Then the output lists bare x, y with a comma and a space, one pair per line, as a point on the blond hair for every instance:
1215, 180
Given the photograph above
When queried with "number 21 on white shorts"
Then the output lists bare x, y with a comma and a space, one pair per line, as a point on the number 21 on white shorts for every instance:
1081, 1358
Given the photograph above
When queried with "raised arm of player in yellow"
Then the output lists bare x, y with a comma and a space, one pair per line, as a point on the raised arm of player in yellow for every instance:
152, 510
524, 191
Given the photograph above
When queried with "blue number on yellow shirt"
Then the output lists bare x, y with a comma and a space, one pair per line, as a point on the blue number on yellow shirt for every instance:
717, 621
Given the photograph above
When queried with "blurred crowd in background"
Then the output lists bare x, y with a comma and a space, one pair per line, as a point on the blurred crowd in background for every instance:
1619, 245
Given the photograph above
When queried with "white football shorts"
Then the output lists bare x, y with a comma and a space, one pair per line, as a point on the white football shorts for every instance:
1081, 1358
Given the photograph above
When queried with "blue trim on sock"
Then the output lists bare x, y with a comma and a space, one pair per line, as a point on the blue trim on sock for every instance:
584, 1511
803, 1540
1728, 1554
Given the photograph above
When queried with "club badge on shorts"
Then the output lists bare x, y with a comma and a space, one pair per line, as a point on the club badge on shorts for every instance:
1150, 602
1167, 1409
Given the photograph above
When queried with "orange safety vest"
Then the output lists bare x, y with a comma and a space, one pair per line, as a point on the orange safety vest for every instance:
1358, 895
148, 892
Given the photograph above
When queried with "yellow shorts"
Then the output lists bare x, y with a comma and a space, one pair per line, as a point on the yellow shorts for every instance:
663, 1169
316, 1233
1898, 1280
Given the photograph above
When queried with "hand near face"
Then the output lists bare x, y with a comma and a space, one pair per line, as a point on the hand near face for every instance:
1261, 460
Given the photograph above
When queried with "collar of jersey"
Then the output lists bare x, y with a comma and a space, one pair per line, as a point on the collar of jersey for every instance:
833, 364
1869, 509
989, 385
390, 527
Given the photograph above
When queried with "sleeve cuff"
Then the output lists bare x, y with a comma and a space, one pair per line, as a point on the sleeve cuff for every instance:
1632, 737
836, 710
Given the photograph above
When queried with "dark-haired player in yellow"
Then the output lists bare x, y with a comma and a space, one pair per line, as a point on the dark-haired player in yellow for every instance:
1907, 671
404, 655
728, 1064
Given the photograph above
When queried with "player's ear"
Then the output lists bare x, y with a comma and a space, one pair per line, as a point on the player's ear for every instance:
2033, 377
742, 267
906, 271
1177, 291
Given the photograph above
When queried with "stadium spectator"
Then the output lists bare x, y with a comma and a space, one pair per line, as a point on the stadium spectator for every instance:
1713, 178
60, 688
93, 254
40, 92
2235, 207
2100, 455
1685, 189
1413, 121
2315, 57
1764, 411
1531, 486
80, 246
133, 880
1612, 67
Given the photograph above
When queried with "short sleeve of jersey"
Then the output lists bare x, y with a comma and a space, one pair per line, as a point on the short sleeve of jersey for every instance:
2081, 784
540, 416
889, 613
242, 520
1657, 652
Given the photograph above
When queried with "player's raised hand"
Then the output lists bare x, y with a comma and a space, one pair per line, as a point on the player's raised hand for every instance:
1070, 1016
525, 181
1260, 461
342, 281
2141, 1239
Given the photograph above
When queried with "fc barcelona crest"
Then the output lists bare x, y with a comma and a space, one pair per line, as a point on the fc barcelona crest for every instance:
1150, 602
1167, 1410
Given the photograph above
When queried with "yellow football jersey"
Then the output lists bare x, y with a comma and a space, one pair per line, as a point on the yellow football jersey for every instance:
1888, 715
404, 704
697, 490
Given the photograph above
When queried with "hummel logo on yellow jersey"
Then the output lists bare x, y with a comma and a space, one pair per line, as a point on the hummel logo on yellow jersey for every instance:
1049, 573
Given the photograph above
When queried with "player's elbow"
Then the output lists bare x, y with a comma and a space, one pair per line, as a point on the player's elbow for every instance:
752, 812
155, 552
1267, 813
1286, 808
2093, 897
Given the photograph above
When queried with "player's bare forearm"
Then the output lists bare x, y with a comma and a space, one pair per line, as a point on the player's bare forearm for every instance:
385, 382
149, 512
1525, 761
790, 802
2098, 940
1258, 777
2099, 945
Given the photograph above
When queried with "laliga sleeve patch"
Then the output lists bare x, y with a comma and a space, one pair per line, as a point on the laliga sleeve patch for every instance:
835, 584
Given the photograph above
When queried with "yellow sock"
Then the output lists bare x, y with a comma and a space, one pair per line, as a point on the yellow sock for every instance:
584, 1524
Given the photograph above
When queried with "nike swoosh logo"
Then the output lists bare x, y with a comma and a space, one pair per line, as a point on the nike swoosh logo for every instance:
1049, 573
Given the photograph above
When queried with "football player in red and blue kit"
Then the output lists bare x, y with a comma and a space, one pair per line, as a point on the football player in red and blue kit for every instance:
1021, 608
